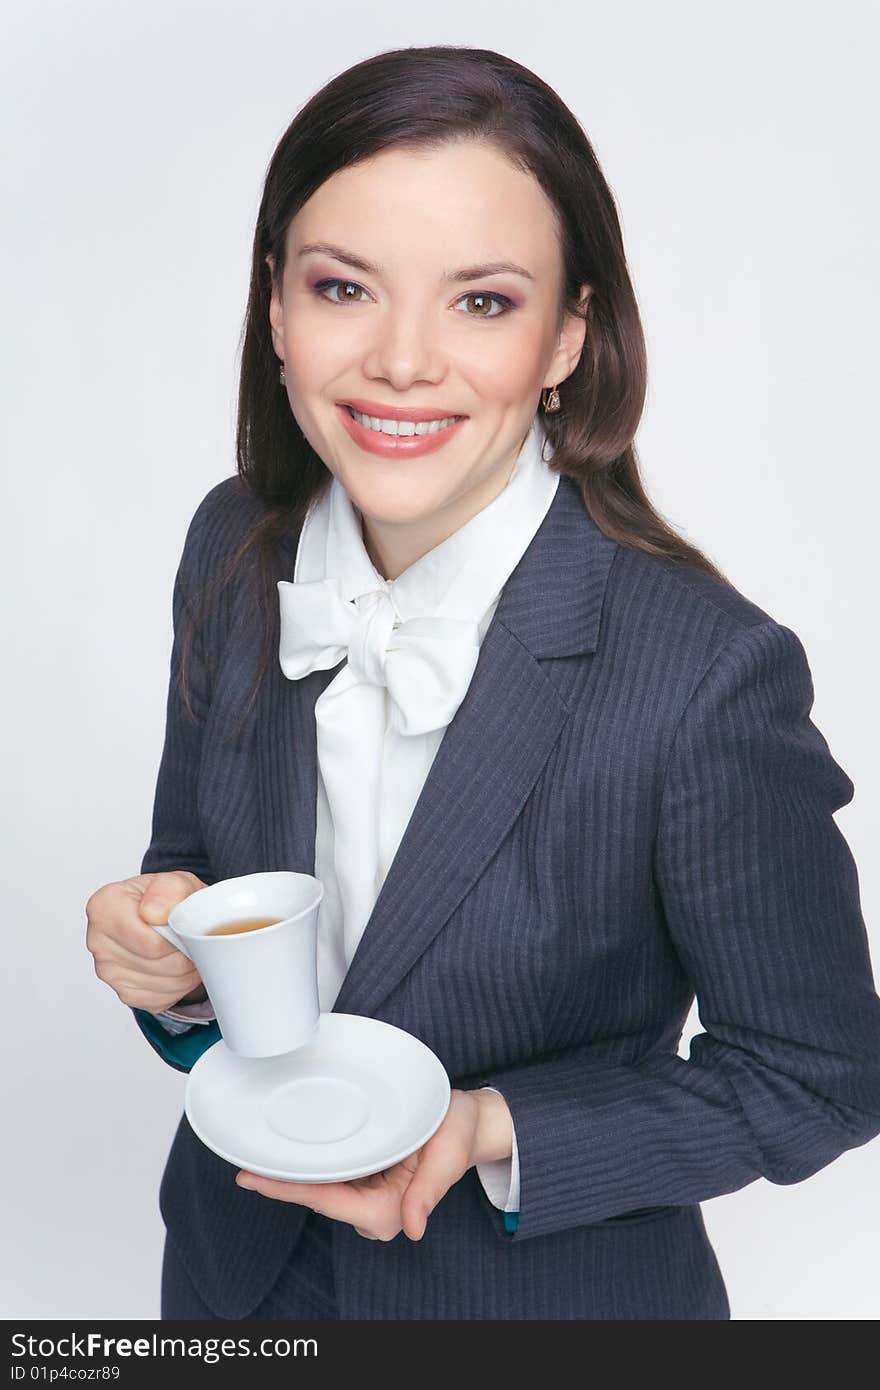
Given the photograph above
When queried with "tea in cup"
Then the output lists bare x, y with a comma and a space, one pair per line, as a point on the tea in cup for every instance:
254, 941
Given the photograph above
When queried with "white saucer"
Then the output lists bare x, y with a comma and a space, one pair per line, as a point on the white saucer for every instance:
357, 1098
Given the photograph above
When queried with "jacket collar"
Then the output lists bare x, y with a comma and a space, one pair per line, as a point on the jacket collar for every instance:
553, 599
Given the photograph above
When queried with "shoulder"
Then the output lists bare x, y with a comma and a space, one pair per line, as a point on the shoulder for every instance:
684, 591
678, 622
721, 676
214, 544
220, 521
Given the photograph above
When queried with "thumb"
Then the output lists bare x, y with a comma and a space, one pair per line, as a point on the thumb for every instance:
433, 1179
164, 893
154, 908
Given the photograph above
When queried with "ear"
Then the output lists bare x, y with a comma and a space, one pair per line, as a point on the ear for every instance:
570, 343
276, 313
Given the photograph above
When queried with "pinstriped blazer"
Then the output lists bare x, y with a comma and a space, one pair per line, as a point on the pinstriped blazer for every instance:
631, 808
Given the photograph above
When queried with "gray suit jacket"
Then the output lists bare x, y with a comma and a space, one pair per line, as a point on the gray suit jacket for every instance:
630, 807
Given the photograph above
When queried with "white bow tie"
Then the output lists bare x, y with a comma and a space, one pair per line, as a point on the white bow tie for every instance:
425, 663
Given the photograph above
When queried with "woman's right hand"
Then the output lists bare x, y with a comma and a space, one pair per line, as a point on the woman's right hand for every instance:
144, 969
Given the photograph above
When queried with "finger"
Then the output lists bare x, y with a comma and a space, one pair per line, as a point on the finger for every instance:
365, 1234
438, 1169
127, 979
137, 994
169, 964
320, 1196
149, 901
340, 1201
125, 930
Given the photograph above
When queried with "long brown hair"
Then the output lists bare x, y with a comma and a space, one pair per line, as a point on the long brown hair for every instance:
425, 98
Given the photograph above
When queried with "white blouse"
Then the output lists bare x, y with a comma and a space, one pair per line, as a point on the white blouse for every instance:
371, 765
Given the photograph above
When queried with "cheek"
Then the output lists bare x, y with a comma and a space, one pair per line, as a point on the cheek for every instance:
507, 368
311, 360
316, 349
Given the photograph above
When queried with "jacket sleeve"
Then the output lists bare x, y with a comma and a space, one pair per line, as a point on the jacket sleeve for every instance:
760, 897
176, 841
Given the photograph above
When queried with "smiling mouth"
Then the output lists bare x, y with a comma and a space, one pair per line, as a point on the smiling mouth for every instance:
403, 429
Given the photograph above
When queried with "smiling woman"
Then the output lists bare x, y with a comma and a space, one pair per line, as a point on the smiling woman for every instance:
556, 774
463, 211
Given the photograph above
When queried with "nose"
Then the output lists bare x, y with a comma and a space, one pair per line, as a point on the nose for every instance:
406, 349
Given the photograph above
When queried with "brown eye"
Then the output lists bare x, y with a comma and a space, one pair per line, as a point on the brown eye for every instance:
482, 304
350, 291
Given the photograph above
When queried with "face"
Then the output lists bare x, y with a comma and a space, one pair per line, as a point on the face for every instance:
421, 330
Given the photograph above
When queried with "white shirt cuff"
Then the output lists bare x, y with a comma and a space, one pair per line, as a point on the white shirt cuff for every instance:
183, 1016
500, 1177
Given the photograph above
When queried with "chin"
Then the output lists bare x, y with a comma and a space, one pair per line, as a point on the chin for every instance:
394, 501
389, 515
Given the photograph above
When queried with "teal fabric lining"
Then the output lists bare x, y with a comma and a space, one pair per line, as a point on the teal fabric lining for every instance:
183, 1049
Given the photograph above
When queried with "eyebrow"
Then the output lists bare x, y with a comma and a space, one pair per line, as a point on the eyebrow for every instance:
468, 272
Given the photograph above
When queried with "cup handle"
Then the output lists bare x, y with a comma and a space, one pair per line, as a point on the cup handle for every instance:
171, 936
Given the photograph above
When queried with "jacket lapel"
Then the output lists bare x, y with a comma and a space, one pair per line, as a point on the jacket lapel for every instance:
488, 761
287, 761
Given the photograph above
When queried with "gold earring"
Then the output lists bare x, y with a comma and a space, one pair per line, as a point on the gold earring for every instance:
551, 402
281, 375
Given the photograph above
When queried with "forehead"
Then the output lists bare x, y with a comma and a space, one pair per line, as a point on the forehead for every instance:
460, 202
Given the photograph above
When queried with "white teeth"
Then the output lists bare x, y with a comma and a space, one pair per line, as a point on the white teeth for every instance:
402, 427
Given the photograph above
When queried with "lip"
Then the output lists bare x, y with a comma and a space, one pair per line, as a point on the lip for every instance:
396, 412
392, 445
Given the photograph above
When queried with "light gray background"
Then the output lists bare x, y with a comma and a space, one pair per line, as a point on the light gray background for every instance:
740, 144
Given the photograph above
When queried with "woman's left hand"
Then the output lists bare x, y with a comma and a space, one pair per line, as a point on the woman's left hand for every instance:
402, 1197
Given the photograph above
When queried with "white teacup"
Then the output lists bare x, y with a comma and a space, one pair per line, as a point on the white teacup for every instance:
263, 984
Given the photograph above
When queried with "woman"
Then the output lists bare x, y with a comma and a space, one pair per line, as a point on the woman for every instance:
556, 773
